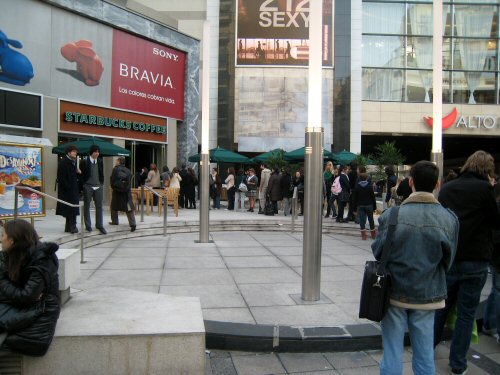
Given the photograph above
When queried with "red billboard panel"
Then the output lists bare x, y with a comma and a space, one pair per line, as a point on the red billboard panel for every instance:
147, 77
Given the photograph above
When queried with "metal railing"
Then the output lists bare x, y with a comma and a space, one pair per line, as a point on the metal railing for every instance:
165, 205
16, 204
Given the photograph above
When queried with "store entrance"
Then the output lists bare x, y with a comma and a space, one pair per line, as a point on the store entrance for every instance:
145, 154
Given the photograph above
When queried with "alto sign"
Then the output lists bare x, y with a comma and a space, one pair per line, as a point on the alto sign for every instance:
466, 121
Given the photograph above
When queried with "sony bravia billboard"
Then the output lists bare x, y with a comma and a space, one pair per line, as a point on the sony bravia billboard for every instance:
65, 55
276, 32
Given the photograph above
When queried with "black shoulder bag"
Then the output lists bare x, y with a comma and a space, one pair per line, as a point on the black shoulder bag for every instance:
375, 290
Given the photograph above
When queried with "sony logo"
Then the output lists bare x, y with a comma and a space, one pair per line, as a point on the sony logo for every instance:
165, 54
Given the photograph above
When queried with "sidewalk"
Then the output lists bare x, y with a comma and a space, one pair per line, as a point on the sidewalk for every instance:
246, 277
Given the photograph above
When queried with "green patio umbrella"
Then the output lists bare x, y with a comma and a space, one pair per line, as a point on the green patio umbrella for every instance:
107, 148
220, 154
266, 155
300, 155
344, 157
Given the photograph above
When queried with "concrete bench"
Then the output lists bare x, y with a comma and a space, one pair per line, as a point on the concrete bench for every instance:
121, 331
69, 270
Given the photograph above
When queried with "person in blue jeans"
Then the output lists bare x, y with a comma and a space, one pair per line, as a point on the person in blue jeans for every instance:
491, 322
471, 198
364, 200
423, 247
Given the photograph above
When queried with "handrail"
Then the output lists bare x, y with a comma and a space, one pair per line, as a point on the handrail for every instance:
165, 205
80, 205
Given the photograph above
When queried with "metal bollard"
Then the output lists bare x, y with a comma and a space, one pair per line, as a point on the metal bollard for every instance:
142, 203
165, 204
81, 236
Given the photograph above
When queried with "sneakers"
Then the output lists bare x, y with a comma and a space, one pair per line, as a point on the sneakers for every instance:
458, 372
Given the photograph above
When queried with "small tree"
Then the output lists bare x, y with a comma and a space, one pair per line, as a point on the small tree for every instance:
386, 154
277, 159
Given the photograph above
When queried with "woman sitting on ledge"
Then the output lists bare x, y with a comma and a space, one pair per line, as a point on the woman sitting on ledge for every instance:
29, 290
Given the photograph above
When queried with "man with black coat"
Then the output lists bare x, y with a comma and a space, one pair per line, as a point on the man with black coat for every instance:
471, 198
68, 188
344, 195
184, 199
353, 178
92, 179
121, 198
287, 188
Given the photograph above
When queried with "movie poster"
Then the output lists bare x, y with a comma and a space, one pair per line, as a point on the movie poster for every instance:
276, 32
21, 165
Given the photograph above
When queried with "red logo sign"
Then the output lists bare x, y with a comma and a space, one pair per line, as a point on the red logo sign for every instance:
149, 80
448, 120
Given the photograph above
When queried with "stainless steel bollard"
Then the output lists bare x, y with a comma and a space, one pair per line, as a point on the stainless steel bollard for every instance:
204, 198
313, 218
165, 204
142, 203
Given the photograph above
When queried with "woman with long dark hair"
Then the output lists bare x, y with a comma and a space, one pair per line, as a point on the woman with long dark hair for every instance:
30, 284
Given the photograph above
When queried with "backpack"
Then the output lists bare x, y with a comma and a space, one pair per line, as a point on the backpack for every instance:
336, 187
121, 180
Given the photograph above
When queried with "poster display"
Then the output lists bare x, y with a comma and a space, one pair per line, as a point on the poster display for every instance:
276, 32
21, 165
149, 80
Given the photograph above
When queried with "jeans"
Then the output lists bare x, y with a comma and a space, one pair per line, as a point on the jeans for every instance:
420, 326
363, 213
464, 281
217, 202
333, 198
239, 197
288, 206
492, 310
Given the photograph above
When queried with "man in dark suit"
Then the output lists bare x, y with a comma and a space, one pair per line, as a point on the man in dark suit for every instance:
67, 188
92, 185
344, 194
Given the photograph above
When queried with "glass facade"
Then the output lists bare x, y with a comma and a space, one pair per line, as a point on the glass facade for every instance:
397, 51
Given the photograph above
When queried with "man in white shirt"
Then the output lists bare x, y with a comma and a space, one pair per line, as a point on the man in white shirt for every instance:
92, 181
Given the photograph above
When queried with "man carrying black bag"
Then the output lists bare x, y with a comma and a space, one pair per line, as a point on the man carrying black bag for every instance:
422, 249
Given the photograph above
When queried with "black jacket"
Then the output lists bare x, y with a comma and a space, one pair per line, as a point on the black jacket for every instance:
285, 184
495, 259
85, 168
404, 189
67, 187
121, 201
364, 195
345, 183
38, 278
471, 198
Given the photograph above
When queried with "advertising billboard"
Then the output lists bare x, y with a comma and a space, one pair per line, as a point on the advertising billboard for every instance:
21, 165
276, 32
149, 80
65, 55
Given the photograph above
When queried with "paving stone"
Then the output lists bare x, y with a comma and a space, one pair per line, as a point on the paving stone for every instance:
195, 277
225, 296
343, 360
135, 263
140, 252
253, 262
265, 275
258, 364
269, 294
301, 362
207, 262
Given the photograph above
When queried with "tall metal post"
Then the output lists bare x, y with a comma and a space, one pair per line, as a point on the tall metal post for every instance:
204, 198
437, 88
313, 218
205, 124
313, 184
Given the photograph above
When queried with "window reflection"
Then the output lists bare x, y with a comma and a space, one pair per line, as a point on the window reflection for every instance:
404, 41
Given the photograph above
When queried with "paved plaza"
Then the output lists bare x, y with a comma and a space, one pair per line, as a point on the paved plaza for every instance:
247, 276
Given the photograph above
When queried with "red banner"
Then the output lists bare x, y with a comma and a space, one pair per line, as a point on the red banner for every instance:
149, 80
